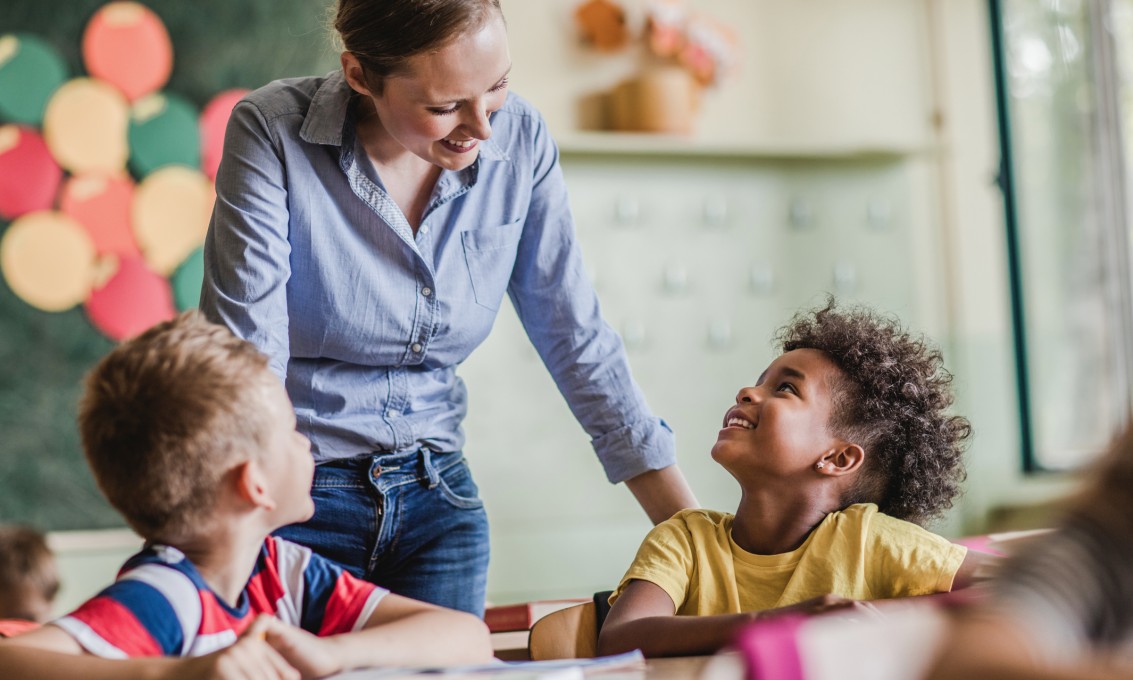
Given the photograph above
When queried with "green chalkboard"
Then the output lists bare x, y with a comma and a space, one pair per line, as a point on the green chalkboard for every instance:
217, 45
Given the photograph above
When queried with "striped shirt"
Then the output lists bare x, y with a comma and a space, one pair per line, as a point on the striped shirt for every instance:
161, 606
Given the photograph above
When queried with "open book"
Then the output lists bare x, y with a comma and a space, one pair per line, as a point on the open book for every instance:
558, 669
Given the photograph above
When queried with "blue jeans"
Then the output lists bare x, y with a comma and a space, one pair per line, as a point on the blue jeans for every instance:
411, 522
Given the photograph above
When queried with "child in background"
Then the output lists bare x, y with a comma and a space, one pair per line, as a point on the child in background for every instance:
28, 579
841, 447
1063, 606
193, 440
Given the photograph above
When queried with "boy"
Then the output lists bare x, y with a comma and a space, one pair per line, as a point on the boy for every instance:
193, 440
847, 423
28, 579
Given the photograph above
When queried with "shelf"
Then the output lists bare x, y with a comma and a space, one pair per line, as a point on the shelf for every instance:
647, 144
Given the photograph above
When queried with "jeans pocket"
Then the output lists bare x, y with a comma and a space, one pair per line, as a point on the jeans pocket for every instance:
458, 489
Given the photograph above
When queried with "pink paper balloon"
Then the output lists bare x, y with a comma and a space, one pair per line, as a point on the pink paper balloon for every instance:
213, 121
29, 175
126, 44
134, 299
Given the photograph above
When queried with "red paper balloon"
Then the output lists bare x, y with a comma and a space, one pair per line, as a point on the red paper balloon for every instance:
213, 121
134, 299
29, 175
126, 44
101, 203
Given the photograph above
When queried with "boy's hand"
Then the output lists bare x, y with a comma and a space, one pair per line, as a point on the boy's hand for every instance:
821, 605
311, 655
249, 658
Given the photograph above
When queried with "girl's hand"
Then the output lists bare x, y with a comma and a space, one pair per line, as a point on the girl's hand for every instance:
822, 605
249, 658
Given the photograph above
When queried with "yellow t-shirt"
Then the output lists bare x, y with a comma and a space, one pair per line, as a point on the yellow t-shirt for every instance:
857, 553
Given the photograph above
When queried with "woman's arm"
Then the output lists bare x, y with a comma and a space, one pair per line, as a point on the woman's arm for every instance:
247, 252
662, 493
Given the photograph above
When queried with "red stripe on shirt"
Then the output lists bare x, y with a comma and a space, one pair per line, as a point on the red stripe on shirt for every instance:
111, 621
345, 604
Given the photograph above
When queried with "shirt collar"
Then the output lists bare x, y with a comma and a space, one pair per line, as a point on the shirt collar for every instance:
328, 114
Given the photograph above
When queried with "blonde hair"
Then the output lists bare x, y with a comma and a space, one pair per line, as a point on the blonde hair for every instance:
166, 414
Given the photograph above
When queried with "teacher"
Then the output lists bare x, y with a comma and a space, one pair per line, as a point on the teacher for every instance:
367, 225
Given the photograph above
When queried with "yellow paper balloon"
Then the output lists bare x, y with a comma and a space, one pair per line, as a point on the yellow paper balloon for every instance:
171, 213
48, 260
85, 126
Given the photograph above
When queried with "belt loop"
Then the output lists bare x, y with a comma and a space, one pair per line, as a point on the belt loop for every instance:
430, 471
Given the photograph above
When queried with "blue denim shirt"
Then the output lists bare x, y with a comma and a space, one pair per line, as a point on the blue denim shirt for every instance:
309, 258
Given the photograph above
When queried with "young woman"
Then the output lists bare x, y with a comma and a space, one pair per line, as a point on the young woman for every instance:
367, 226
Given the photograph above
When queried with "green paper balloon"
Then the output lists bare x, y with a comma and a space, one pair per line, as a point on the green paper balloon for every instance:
187, 280
30, 72
163, 131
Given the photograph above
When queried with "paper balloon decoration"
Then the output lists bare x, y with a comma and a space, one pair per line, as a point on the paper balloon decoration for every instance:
126, 45
29, 176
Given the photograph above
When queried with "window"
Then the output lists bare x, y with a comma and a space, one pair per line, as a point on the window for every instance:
1063, 176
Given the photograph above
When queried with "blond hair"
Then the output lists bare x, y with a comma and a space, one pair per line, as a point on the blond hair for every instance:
166, 414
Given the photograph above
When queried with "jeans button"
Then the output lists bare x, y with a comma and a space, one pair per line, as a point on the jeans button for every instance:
376, 472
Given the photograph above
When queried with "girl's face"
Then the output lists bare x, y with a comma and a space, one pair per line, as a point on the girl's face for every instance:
778, 427
438, 108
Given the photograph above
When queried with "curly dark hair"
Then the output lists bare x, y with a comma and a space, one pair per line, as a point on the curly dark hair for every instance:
892, 401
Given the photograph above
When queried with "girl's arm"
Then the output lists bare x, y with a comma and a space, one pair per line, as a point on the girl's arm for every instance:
644, 618
976, 567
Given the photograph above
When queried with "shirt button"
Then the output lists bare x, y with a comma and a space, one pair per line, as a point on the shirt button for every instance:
391, 414
416, 347
424, 229
426, 291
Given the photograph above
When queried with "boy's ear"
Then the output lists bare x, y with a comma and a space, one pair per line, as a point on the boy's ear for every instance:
355, 74
845, 459
252, 486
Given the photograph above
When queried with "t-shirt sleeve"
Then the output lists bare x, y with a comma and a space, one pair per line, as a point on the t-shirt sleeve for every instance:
334, 600
153, 611
908, 560
665, 559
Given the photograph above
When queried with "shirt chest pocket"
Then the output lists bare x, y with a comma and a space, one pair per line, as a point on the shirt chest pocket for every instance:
490, 255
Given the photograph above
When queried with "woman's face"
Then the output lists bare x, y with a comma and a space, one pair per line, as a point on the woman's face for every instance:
438, 108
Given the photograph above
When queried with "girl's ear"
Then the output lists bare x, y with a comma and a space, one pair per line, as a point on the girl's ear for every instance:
355, 74
842, 460
252, 486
